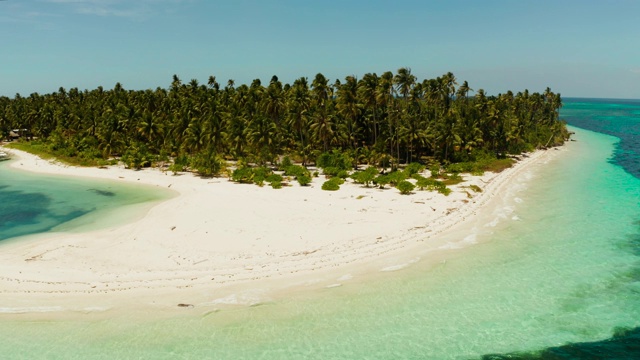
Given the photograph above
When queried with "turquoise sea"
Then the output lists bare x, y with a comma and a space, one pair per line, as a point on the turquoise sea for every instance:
556, 278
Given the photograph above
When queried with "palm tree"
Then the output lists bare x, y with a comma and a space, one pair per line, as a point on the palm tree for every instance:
213, 84
299, 105
447, 88
175, 83
274, 102
195, 137
261, 134
321, 126
367, 97
463, 91
348, 111
404, 81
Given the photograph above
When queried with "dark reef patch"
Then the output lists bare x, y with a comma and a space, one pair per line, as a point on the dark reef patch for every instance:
624, 344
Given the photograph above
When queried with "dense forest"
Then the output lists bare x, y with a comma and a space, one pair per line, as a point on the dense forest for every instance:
383, 120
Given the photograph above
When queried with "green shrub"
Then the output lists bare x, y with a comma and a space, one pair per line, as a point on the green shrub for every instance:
276, 184
413, 168
330, 171
365, 177
432, 184
435, 170
295, 170
444, 190
243, 175
342, 174
396, 177
335, 159
135, 157
303, 180
179, 164
286, 162
207, 163
381, 180
261, 171
274, 178
259, 180
331, 185
176, 168
426, 183
260, 175
405, 187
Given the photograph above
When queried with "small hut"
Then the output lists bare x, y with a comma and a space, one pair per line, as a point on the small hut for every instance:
14, 134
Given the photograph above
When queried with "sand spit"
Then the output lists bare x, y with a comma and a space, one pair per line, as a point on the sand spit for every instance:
220, 243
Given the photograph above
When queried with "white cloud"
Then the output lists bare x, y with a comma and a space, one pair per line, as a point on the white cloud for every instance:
138, 10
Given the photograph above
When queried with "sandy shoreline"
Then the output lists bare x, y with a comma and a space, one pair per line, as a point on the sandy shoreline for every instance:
219, 243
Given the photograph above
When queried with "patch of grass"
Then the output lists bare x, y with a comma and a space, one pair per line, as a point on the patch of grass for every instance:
475, 188
452, 179
497, 165
480, 166
41, 150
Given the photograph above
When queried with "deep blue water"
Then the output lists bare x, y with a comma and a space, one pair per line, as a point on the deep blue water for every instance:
619, 118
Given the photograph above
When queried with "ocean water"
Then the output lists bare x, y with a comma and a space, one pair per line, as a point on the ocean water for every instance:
553, 272
619, 118
31, 204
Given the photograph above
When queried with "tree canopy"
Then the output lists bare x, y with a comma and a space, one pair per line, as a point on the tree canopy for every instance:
392, 118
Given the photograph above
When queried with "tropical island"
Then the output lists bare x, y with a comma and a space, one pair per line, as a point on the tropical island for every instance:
381, 120
216, 235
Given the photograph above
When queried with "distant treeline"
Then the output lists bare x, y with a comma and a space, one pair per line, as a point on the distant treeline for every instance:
391, 119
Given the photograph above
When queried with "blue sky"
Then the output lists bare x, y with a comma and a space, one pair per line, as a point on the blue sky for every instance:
581, 48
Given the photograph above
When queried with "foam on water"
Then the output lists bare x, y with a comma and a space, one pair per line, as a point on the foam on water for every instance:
400, 266
468, 240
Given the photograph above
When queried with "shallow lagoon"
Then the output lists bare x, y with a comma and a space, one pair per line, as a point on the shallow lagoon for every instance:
33, 203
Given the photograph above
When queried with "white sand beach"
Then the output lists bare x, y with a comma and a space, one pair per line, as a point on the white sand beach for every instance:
218, 243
